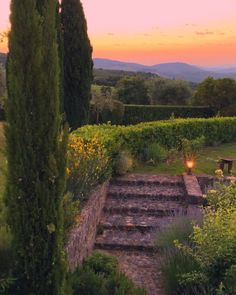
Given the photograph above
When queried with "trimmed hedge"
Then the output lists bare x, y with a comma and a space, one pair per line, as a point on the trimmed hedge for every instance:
146, 113
167, 133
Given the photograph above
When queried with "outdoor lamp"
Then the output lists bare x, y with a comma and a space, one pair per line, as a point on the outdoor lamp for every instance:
190, 165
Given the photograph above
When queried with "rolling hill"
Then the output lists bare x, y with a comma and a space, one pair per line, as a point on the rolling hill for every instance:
175, 70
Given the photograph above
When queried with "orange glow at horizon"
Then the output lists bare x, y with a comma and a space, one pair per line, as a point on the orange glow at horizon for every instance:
199, 32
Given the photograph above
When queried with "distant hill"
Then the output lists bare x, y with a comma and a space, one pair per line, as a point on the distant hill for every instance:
175, 70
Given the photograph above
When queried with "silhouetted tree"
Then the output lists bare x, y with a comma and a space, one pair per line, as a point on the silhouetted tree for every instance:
77, 63
36, 149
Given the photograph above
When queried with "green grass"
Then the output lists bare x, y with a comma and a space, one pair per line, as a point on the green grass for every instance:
205, 164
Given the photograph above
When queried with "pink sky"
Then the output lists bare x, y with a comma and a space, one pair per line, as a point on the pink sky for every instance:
200, 32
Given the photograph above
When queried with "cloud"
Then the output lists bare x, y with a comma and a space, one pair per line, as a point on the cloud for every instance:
204, 33
110, 34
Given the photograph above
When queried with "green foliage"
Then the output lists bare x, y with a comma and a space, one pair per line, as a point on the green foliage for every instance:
135, 138
100, 275
132, 90
77, 63
104, 108
145, 113
88, 166
154, 154
7, 259
219, 94
165, 91
36, 149
124, 163
222, 196
175, 262
111, 77
191, 148
214, 244
71, 209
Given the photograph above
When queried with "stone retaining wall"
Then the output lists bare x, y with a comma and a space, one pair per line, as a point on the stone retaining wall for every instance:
82, 237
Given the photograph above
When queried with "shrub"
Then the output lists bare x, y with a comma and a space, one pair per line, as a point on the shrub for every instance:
99, 275
146, 113
71, 210
7, 260
124, 163
175, 262
168, 134
191, 148
215, 243
88, 165
155, 153
104, 108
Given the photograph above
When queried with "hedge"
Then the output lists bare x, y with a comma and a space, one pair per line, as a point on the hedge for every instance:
145, 113
167, 133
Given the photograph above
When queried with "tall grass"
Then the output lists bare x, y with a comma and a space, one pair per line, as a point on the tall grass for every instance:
173, 261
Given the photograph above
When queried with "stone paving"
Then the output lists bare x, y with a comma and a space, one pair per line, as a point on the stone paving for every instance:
137, 207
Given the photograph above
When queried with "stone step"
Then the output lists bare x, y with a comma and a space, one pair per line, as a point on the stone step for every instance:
147, 179
143, 206
132, 240
135, 221
157, 192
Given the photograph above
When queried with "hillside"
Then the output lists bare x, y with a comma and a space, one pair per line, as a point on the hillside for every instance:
169, 70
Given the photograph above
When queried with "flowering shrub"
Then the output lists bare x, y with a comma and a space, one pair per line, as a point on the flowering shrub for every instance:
88, 165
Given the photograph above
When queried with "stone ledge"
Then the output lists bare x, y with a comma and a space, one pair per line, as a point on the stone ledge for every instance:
81, 238
194, 192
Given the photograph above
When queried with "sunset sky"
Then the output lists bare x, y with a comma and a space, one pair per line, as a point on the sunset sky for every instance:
199, 32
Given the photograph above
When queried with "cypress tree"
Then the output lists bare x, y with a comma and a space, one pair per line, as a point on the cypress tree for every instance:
77, 63
36, 149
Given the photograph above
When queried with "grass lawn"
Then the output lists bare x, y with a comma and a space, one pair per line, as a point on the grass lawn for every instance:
205, 164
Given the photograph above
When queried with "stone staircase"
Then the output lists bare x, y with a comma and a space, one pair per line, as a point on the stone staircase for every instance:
137, 207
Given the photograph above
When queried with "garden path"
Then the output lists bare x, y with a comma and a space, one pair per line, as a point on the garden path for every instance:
137, 207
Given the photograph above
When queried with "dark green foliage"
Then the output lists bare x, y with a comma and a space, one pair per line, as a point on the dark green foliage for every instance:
100, 275
219, 94
111, 77
169, 92
77, 63
145, 113
35, 149
132, 90
154, 154
107, 110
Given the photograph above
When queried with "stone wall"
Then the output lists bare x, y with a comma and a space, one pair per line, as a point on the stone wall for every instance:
82, 236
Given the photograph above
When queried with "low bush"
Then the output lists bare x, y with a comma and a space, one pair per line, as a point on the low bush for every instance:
175, 262
168, 134
88, 166
124, 163
146, 113
7, 260
154, 154
100, 275
214, 245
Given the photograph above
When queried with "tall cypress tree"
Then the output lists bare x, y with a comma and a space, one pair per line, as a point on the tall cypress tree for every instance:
78, 64
36, 148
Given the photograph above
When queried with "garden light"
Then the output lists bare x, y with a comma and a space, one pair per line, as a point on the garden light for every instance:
190, 165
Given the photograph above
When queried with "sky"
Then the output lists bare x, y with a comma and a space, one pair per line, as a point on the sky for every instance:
200, 32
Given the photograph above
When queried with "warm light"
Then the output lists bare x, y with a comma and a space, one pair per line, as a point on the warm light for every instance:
189, 164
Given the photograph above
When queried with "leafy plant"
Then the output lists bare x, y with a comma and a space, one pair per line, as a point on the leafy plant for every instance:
124, 163
88, 165
100, 275
155, 154
191, 148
